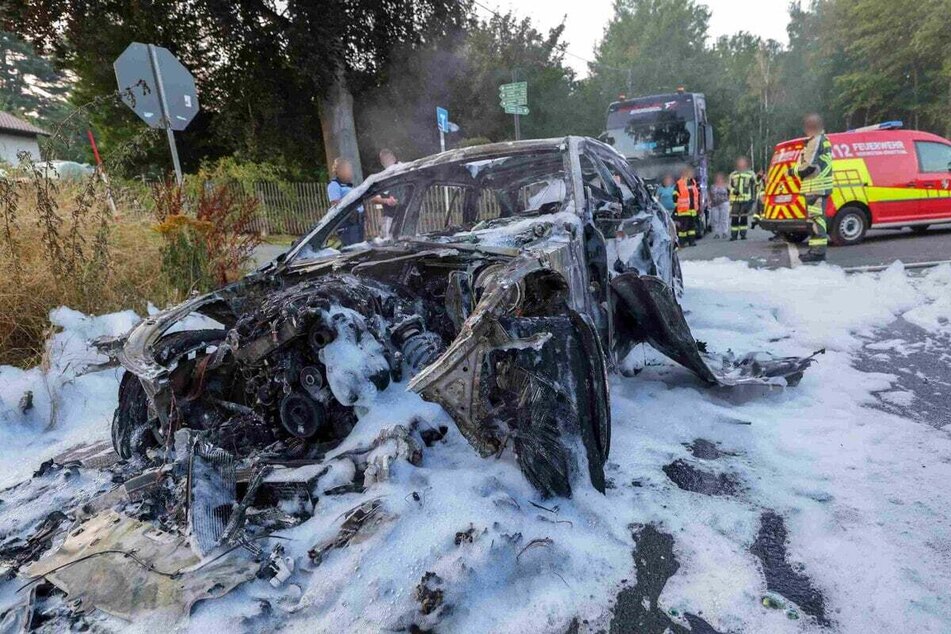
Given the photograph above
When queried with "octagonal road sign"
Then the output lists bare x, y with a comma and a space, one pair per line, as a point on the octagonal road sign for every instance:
148, 75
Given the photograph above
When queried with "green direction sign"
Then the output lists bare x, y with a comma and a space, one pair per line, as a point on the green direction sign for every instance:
515, 94
514, 109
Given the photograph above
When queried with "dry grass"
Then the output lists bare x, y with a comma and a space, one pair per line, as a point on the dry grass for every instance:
60, 245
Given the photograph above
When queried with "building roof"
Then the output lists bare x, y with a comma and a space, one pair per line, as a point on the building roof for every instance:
9, 123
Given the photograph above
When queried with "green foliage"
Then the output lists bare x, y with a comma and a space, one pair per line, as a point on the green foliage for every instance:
261, 66
231, 169
471, 141
462, 72
899, 61
854, 61
665, 40
32, 89
207, 237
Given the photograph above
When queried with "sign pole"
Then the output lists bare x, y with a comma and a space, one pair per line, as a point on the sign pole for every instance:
101, 171
517, 131
166, 117
442, 148
442, 123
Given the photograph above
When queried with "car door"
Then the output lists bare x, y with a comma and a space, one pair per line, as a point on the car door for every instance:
934, 180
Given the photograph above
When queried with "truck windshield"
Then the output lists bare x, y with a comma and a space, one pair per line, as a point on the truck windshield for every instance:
646, 131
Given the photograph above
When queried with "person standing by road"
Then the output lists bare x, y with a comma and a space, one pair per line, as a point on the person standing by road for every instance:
386, 200
760, 199
814, 169
720, 206
742, 197
351, 230
686, 207
665, 193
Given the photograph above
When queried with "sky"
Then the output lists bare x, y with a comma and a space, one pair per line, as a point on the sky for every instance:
586, 20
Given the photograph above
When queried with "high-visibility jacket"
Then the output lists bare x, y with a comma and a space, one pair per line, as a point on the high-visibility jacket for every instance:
742, 186
687, 196
815, 166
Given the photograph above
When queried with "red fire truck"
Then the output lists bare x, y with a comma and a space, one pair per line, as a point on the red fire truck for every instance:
885, 177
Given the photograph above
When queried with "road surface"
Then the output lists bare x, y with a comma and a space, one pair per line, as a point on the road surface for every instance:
919, 359
880, 248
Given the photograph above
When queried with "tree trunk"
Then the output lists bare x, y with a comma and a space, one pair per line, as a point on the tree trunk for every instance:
337, 126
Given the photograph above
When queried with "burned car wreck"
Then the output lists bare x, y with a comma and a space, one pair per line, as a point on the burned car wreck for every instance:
518, 276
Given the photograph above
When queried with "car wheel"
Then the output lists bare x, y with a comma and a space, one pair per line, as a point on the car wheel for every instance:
920, 229
849, 226
795, 237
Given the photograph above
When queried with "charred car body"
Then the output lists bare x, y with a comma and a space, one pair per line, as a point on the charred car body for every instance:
518, 276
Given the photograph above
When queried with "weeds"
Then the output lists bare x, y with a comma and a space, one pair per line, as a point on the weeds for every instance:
59, 246
210, 247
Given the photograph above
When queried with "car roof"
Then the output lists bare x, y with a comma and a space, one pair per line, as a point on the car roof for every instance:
474, 153
487, 151
913, 135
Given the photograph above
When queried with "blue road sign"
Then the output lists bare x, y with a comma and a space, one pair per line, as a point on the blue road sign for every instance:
442, 119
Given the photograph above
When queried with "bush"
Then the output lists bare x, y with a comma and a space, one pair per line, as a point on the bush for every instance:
211, 247
471, 141
62, 245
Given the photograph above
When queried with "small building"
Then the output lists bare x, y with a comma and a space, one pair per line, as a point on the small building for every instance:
17, 135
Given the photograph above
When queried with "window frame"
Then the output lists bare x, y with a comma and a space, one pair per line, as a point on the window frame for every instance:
918, 155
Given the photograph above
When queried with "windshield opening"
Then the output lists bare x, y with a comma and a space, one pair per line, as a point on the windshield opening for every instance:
653, 132
452, 198
471, 195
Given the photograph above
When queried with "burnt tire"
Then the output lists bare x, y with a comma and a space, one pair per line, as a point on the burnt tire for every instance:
131, 429
848, 226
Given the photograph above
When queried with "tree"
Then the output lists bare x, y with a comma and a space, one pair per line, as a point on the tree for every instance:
462, 71
652, 46
31, 88
276, 78
898, 61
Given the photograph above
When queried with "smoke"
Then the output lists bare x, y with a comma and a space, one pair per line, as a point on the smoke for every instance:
400, 113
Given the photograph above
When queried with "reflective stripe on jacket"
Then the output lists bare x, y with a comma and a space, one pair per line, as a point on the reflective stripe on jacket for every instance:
815, 166
742, 186
687, 196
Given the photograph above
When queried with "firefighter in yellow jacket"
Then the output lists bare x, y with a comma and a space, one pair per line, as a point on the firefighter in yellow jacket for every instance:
814, 169
742, 198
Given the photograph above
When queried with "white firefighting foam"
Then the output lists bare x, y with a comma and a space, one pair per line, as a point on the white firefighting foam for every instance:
863, 493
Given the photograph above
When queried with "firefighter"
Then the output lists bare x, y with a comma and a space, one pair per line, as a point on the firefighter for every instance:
742, 197
814, 169
760, 199
686, 206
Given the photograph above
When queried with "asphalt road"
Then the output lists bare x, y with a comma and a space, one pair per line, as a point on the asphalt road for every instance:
880, 248
918, 359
